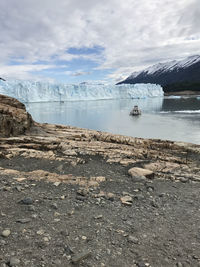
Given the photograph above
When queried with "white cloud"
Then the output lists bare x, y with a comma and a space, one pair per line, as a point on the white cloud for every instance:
23, 71
133, 33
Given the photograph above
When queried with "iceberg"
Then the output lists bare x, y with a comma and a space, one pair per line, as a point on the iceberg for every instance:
35, 91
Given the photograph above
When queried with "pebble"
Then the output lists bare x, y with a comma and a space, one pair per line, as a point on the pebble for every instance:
133, 239
80, 198
150, 188
31, 208
141, 264
82, 192
183, 180
80, 256
19, 188
14, 261
27, 201
64, 232
110, 196
58, 262
139, 197
55, 206
40, 232
57, 183
126, 200
98, 216
2, 242
5, 233
179, 264
25, 220
154, 204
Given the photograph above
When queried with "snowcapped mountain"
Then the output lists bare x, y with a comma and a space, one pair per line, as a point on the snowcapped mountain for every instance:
172, 75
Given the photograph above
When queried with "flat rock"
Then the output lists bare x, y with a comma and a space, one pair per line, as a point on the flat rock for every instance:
135, 172
126, 200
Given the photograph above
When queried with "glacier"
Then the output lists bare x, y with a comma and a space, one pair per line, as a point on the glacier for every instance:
36, 91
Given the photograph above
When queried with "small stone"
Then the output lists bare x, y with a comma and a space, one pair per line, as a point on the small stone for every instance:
154, 204
134, 172
14, 261
84, 237
60, 168
80, 256
133, 239
7, 188
80, 198
57, 183
82, 192
54, 206
5, 233
195, 257
27, 201
150, 188
40, 232
19, 188
179, 264
31, 208
110, 196
126, 200
46, 239
62, 197
98, 216
2, 242
183, 180
64, 232
139, 197
141, 264
58, 262
25, 220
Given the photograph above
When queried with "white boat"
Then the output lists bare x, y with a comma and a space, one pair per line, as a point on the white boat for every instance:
135, 111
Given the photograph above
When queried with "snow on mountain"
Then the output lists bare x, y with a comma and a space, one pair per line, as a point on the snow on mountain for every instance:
172, 76
168, 66
32, 91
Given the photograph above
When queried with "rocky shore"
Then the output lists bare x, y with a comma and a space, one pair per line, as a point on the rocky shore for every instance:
77, 197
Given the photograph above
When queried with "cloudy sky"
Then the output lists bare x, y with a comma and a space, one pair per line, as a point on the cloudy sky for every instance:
81, 40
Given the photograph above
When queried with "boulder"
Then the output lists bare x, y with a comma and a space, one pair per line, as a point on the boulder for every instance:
135, 172
14, 119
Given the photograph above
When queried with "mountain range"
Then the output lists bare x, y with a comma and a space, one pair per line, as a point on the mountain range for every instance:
172, 76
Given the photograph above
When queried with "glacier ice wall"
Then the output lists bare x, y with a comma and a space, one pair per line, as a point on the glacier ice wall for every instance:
33, 91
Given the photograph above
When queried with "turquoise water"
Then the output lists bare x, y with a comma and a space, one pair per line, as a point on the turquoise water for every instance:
175, 119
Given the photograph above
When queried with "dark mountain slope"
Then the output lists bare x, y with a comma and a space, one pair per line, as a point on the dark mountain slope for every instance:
173, 76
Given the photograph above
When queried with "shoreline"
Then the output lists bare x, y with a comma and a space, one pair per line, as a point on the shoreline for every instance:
77, 197
183, 93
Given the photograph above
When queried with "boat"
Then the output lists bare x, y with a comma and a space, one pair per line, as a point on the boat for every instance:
135, 111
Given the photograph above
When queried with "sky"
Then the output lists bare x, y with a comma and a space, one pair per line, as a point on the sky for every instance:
74, 41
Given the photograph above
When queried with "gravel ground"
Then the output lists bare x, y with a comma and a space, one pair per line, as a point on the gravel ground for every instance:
59, 224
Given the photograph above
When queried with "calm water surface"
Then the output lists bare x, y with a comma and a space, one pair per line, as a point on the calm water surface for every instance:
164, 118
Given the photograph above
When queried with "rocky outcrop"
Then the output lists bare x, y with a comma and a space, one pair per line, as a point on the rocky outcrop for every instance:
14, 119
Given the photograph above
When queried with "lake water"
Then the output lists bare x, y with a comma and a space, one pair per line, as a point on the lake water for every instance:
175, 119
